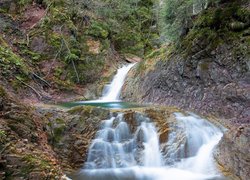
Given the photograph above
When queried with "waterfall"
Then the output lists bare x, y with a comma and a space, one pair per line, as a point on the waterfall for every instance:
112, 91
119, 152
116, 147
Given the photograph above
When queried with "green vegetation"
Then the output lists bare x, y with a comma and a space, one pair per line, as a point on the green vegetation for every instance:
225, 23
178, 17
33, 161
57, 128
2, 92
78, 39
10, 62
2, 136
61, 39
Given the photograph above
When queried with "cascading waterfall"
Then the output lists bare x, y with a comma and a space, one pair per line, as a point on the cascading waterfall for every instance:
113, 90
116, 147
118, 152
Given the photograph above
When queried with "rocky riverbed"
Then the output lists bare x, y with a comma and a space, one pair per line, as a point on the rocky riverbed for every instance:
49, 141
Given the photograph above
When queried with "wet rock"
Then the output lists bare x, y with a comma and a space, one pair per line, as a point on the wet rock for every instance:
131, 120
71, 132
164, 136
234, 152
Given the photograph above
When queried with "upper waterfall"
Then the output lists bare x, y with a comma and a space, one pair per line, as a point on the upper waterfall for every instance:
113, 90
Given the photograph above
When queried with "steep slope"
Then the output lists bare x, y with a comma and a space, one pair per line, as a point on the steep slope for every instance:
24, 149
70, 47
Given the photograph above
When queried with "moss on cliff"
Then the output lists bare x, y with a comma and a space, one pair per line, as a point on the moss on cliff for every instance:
215, 26
11, 63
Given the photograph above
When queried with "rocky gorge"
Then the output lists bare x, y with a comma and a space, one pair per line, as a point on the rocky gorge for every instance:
67, 50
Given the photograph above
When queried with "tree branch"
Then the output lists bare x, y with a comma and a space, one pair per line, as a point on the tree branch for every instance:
37, 93
43, 80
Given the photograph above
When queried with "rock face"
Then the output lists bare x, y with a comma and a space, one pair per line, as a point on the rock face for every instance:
71, 132
24, 149
216, 84
208, 74
234, 153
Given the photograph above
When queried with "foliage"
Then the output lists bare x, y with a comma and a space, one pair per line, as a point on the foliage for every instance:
71, 57
126, 23
175, 18
3, 136
178, 17
98, 30
11, 63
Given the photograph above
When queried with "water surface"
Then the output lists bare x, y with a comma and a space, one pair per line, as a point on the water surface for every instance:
109, 105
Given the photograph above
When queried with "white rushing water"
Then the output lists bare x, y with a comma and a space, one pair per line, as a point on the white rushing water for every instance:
112, 91
122, 152
119, 152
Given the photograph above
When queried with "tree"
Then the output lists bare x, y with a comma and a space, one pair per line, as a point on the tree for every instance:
176, 17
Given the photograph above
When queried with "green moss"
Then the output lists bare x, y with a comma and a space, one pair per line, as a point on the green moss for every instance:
209, 38
243, 15
57, 127
129, 42
17, 81
59, 15
24, 2
124, 27
2, 92
3, 136
63, 85
33, 162
157, 53
9, 61
98, 29
205, 20
55, 40
58, 72
141, 67
26, 52
86, 110
58, 132
3, 9
71, 57
89, 68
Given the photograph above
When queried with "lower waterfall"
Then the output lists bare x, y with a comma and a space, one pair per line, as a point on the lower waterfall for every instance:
122, 152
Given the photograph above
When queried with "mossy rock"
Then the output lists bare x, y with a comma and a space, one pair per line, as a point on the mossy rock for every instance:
237, 26
2, 92
12, 63
90, 111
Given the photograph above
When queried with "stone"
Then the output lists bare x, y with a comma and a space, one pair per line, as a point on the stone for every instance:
94, 46
39, 45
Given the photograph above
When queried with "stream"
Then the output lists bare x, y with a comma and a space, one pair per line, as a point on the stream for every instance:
120, 153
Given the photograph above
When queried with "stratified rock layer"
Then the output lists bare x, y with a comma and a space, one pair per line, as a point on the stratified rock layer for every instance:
234, 153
